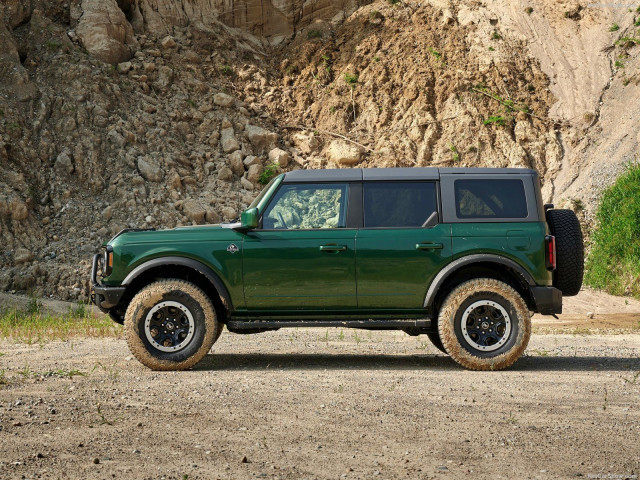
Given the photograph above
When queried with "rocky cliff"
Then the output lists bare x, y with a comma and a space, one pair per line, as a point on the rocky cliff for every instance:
128, 113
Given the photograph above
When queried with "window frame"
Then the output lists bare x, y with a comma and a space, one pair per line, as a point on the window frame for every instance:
274, 196
438, 203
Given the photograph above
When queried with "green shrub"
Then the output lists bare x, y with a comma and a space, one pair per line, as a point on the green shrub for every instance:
614, 28
614, 261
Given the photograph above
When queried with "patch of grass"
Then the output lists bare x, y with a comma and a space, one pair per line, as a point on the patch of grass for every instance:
3, 378
375, 14
52, 45
454, 150
435, 53
268, 173
619, 64
394, 2
512, 420
628, 41
33, 326
495, 120
528, 10
351, 79
376, 59
491, 49
613, 264
614, 28
227, 71
496, 36
314, 34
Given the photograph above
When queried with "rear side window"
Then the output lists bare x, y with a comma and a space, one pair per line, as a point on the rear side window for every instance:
490, 199
398, 204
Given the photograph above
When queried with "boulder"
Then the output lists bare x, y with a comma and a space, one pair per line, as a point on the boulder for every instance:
254, 172
229, 213
344, 153
306, 143
260, 138
168, 42
279, 157
236, 164
149, 170
105, 32
229, 141
194, 211
225, 174
223, 100
63, 163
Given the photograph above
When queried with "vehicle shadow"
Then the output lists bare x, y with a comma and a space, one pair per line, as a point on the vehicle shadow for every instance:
296, 361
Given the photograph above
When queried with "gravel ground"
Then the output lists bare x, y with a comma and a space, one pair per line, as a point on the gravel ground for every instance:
322, 403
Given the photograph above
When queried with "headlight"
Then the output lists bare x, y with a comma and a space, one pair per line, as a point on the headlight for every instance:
107, 261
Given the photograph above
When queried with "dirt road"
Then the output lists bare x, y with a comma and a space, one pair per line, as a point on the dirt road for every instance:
322, 404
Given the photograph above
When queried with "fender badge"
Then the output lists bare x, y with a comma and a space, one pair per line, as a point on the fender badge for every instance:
232, 248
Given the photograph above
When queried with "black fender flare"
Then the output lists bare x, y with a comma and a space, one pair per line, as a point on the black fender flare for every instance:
185, 262
452, 267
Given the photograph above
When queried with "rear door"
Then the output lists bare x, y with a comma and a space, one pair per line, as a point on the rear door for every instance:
402, 246
303, 256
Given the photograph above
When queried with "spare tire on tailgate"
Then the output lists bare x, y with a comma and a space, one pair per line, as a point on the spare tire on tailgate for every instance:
564, 225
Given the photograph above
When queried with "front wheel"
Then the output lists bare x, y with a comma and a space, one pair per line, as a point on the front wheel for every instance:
484, 324
171, 325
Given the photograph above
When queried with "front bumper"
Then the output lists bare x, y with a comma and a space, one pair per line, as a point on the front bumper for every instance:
548, 300
103, 296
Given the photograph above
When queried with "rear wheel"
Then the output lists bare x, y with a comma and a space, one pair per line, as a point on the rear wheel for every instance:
171, 325
484, 324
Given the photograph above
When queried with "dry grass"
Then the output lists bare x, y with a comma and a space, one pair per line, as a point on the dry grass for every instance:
32, 325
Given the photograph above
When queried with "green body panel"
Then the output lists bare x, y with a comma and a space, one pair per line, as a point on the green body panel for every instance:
392, 272
206, 244
521, 242
286, 269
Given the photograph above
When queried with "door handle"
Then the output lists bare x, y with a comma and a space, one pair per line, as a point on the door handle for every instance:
429, 246
333, 248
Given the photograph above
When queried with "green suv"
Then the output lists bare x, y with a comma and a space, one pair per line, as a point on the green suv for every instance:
461, 255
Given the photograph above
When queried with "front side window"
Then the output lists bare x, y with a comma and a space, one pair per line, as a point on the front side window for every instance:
399, 204
307, 206
490, 199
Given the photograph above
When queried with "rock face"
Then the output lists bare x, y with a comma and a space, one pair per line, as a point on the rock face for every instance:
273, 19
105, 32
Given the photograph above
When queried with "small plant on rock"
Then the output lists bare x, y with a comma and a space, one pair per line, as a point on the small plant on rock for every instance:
268, 173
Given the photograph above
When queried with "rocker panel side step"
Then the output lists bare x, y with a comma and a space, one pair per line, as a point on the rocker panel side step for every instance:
377, 323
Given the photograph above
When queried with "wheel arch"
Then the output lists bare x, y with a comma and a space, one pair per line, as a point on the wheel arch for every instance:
477, 266
182, 268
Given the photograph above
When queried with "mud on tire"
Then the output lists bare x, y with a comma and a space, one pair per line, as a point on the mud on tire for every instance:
565, 226
171, 325
484, 324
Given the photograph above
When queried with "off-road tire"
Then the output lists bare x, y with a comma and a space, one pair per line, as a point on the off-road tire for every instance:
206, 328
435, 339
452, 314
564, 225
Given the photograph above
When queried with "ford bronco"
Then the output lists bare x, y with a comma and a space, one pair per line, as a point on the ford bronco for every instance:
463, 256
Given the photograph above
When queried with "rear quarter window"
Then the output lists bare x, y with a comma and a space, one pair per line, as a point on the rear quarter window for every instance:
398, 204
498, 198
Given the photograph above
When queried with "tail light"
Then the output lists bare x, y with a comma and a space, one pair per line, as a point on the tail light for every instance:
550, 244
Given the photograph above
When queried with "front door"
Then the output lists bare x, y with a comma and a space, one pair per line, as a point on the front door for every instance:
402, 245
303, 256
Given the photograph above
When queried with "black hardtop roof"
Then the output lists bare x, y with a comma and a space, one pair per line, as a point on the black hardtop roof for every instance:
415, 173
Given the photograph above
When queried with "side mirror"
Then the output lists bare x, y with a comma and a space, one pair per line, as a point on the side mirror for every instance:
249, 218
